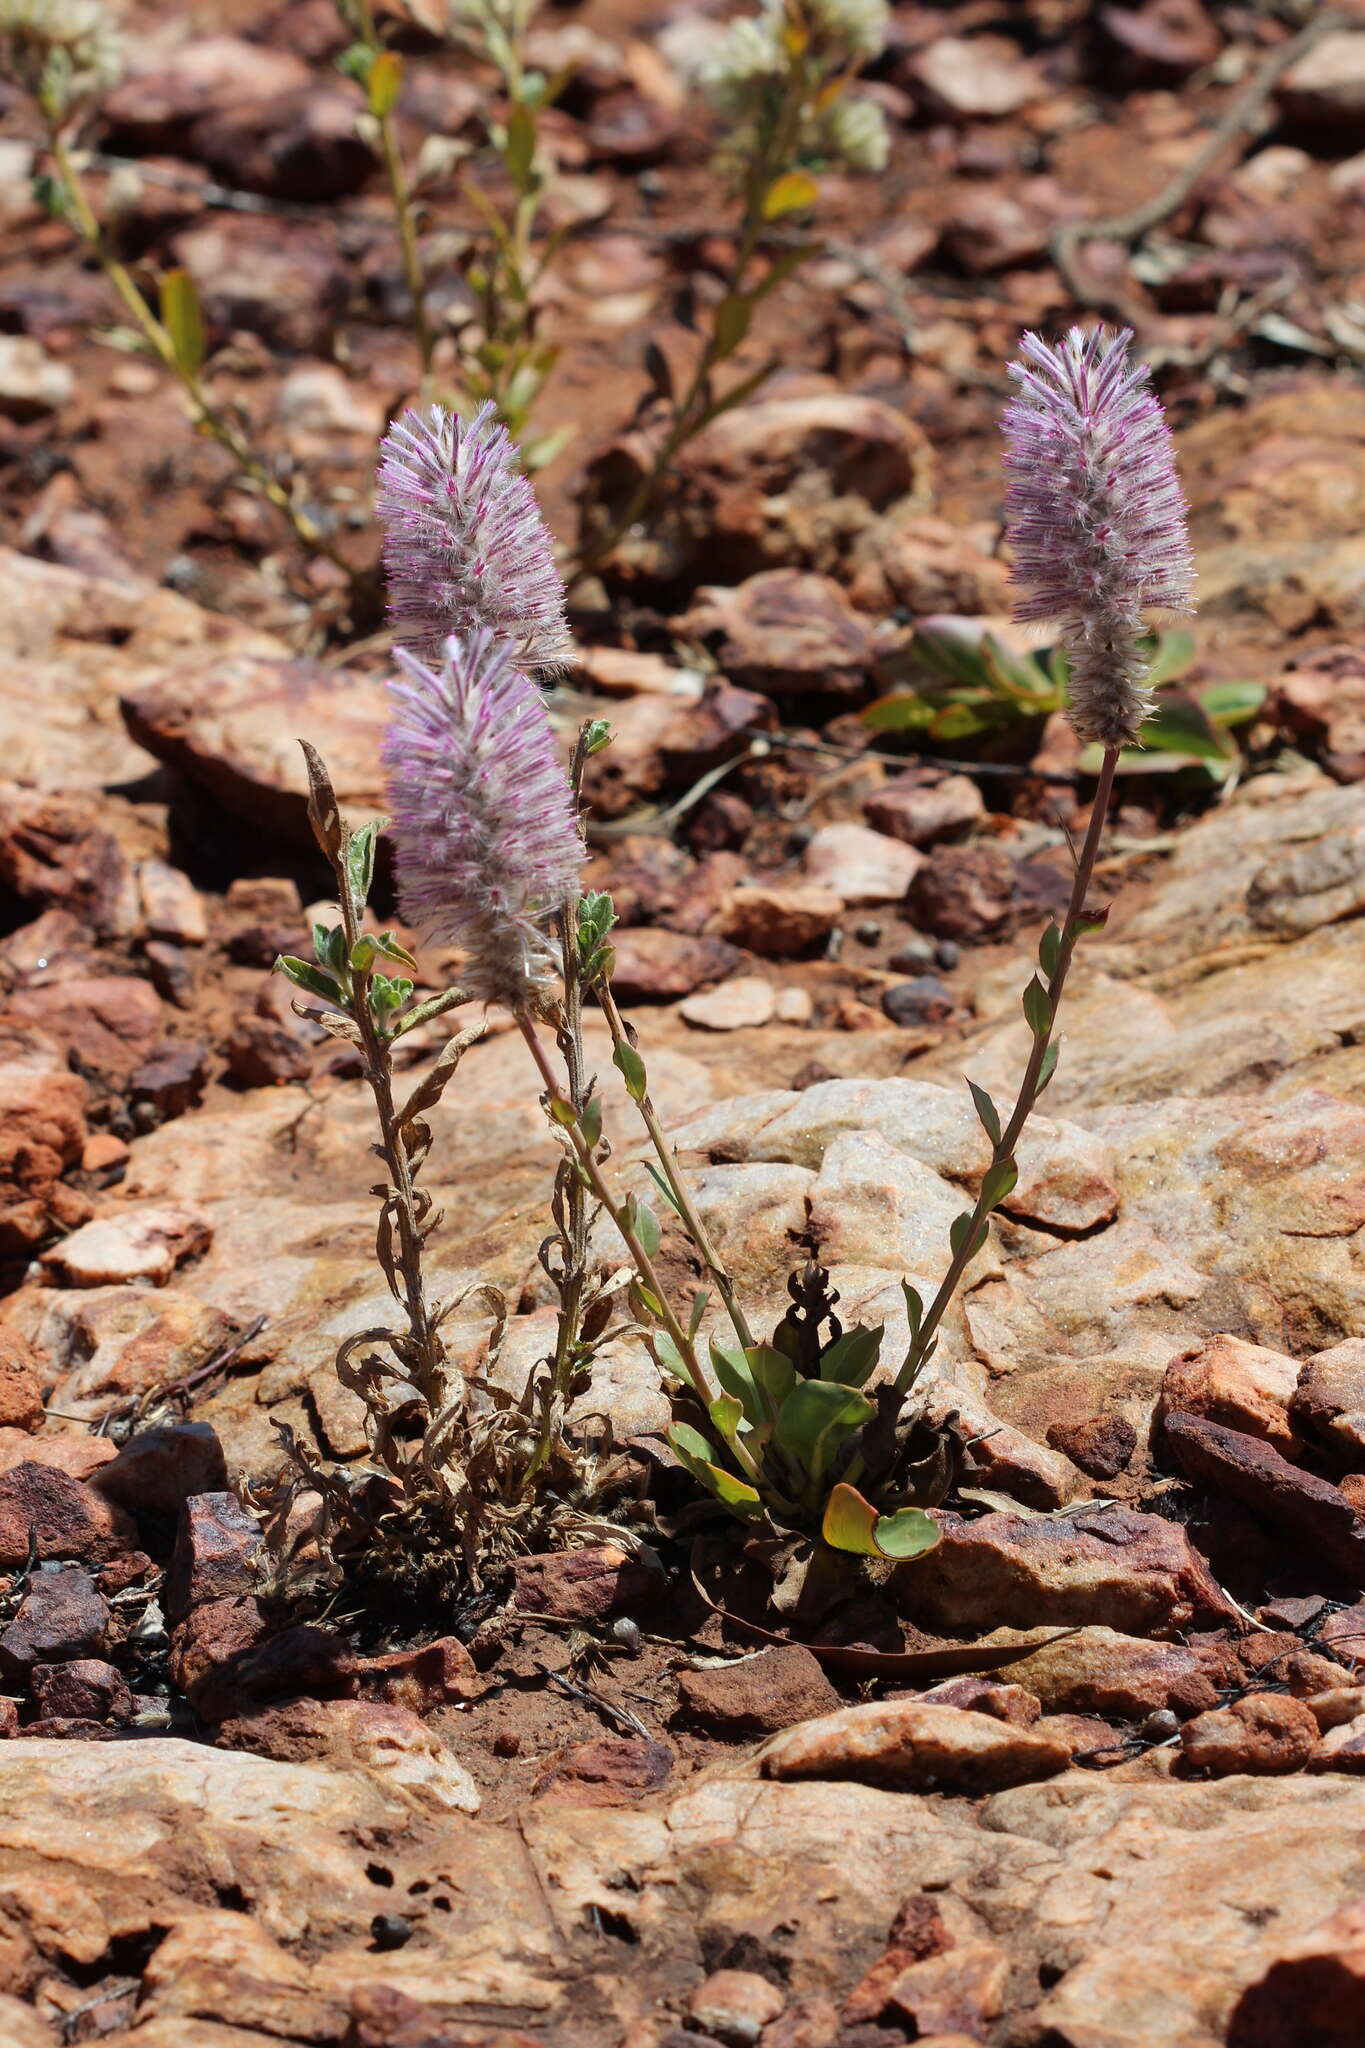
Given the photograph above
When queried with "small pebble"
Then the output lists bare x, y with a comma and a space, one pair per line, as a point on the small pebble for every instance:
913, 957
1160, 1726
948, 953
390, 1930
922, 1001
868, 932
626, 1632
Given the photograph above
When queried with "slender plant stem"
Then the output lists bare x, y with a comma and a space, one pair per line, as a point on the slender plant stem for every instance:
428, 1351
1029, 1087
640, 1258
687, 1209
204, 413
574, 1236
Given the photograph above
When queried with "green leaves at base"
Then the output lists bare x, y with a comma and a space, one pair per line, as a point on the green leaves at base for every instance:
852, 1523
814, 1424
695, 1455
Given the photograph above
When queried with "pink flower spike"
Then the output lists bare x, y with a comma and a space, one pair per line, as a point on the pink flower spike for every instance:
1095, 519
464, 543
485, 833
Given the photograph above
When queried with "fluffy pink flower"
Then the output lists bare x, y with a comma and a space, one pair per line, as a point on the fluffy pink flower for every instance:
464, 543
1095, 518
483, 822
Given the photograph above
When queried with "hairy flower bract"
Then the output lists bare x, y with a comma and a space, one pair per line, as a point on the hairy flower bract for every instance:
465, 547
483, 821
1095, 517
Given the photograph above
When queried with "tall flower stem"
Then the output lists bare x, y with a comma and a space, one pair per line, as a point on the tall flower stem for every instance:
644, 1265
677, 1187
1036, 1075
202, 409
428, 1352
573, 1275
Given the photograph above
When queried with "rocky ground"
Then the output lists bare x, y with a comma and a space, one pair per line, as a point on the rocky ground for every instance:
1085, 1777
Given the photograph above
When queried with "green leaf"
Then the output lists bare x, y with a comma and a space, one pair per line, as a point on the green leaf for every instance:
962, 1230
389, 945
387, 995
646, 1229
987, 1111
735, 1375
1019, 677
699, 1301
773, 1372
519, 149
850, 1359
906, 1534
901, 711
383, 83
1169, 655
794, 192
355, 61
1179, 724
852, 1523
733, 315
1049, 1065
1037, 1008
182, 316
631, 1068
914, 1307
815, 1421
1049, 950
360, 860
664, 1189
562, 1112
950, 646
597, 733
590, 1122
1229, 704
364, 953
304, 975
694, 1454
727, 1412
329, 948
999, 1182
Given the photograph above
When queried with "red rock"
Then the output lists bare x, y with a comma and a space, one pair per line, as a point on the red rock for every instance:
759, 1696
924, 1001
103, 1150
1162, 40
1114, 1568
140, 1241
172, 1080
1291, 1500
734, 2006
69, 1451
986, 1696
437, 1675
924, 806
1101, 1445
261, 1054
959, 1992
1328, 1402
42, 1132
301, 145
211, 1638
384, 2017
658, 966
1322, 703
108, 1022
579, 1585
779, 923
1226, 1380
615, 1770
158, 1470
61, 1615
860, 866
973, 78
917, 1934
787, 633
55, 852
914, 1746
924, 566
83, 1689
67, 1518
994, 229
965, 893
217, 1545
1097, 1671
21, 1388
1313, 1993
1262, 1735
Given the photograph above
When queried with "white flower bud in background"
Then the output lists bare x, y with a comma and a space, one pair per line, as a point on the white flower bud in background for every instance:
856, 132
60, 52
